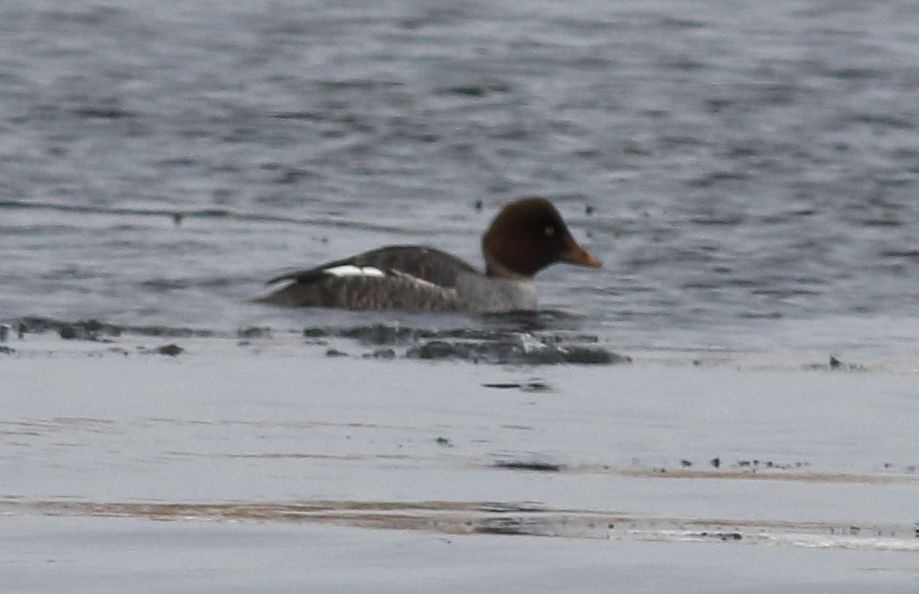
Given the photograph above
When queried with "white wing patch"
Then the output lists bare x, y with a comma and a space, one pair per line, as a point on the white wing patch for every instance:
351, 270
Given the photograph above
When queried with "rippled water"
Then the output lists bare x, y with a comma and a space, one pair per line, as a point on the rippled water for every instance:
739, 169
747, 173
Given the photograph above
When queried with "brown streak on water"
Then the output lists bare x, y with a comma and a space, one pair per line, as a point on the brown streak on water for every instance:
472, 517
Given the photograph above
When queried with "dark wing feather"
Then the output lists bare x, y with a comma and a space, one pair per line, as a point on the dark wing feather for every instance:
424, 263
415, 278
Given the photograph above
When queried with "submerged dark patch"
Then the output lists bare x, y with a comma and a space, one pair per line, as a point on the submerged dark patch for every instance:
96, 330
171, 350
532, 466
534, 386
504, 346
514, 353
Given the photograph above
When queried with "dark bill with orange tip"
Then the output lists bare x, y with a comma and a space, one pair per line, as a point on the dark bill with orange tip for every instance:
575, 254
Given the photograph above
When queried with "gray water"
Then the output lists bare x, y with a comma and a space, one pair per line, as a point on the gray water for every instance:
743, 169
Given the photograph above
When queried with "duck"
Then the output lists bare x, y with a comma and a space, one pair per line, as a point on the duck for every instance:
526, 236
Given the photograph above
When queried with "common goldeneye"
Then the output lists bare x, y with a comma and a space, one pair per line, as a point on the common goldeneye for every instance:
525, 237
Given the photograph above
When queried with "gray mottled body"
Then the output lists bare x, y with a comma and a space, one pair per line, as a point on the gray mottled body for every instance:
402, 277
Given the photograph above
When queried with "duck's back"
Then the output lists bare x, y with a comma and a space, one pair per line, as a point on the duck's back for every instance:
395, 277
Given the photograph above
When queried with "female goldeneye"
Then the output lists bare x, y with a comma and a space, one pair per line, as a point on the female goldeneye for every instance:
525, 237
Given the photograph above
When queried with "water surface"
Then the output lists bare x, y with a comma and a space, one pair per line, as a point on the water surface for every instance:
728, 405
733, 166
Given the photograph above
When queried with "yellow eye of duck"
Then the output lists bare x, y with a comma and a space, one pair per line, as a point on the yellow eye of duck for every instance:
550, 231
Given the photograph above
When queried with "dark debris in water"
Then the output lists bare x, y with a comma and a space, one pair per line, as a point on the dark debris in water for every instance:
909, 468
503, 526
534, 466
395, 334
254, 332
533, 386
95, 330
83, 330
476, 345
514, 352
382, 354
505, 343
722, 536
836, 364
477, 91
170, 350
753, 464
315, 333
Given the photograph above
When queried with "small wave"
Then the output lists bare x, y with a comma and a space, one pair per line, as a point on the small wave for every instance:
105, 113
